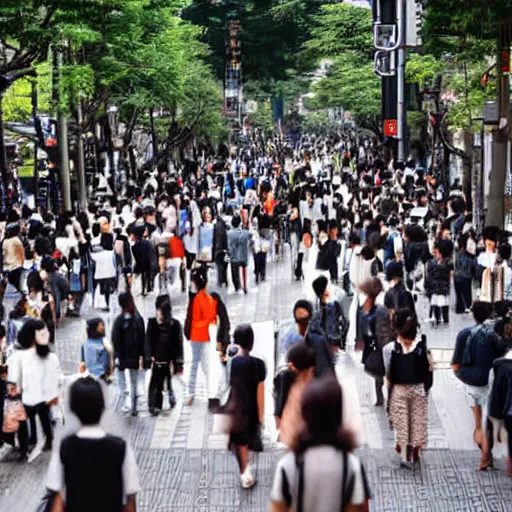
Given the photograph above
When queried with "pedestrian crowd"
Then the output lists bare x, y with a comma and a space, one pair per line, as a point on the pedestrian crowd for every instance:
370, 239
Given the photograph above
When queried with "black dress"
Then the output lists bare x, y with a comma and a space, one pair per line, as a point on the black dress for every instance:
246, 373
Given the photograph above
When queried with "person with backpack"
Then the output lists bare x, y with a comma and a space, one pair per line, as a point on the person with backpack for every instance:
164, 338
398, 296
92, 470
374, 330
97, 353
329, 315
320, 473
305, 331
476, 349
409, 377
128, 339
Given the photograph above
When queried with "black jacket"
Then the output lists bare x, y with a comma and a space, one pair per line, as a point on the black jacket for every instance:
128, 338
220, 239
324, 359
500, 401
398, 297
172, 350
437, 281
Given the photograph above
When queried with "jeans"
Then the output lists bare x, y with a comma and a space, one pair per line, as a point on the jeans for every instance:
159, 374
43, 411
121, 382
200, 353
235, 275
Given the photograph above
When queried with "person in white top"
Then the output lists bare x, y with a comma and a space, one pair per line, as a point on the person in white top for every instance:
37, 375
321, 474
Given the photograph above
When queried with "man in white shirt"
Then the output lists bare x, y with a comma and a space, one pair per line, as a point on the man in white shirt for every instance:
92, 460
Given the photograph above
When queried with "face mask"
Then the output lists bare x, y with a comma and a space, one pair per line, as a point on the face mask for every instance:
362, 299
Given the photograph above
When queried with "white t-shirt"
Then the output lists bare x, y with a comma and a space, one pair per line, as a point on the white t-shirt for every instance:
55, 478
37, 377
323, 477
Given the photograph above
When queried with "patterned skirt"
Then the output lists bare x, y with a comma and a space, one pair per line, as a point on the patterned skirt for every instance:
408, 414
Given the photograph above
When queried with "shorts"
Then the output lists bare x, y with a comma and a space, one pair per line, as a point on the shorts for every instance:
477, 395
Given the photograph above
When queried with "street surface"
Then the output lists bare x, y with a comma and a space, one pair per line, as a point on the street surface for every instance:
184, 467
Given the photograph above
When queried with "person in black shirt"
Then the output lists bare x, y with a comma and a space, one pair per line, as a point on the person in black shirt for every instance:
92, 470
247, 376
164, 338
409, 378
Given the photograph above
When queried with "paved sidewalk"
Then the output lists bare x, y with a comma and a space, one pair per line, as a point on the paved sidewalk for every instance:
184, 467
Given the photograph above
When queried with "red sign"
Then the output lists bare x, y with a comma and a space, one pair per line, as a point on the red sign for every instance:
505, 61
390, 129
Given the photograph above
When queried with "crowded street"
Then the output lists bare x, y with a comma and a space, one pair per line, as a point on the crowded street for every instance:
183, 466
255, 255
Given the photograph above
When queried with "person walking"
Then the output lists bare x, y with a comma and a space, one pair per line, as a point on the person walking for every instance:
92, 459
308, 478
247, 378
398, 296
437, 282
476, 349
37, 377
220, 250
164, 337
409, 378
289, 387
465, 272
97, 353
306, 331
128, 338
329, 316
238, 249
201, 313
374, 330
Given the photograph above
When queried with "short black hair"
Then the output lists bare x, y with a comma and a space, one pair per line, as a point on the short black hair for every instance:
301, 355
303, 304
244, 336
481, 311
125, 299
86, 400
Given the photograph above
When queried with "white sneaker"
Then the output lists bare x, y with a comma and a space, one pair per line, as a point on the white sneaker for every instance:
247, 479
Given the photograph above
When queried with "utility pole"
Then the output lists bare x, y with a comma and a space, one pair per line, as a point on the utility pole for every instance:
500, 135
400, 82
82, 185
62, 138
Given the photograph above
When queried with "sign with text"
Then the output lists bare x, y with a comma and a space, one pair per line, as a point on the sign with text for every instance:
390, 128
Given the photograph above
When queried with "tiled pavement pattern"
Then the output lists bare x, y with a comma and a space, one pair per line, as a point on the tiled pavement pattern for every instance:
184, 467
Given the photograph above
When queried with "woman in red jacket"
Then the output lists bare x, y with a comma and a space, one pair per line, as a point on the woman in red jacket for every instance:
201, 313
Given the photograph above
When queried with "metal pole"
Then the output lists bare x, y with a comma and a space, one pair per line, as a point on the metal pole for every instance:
64, 148
82, 185
4, 168
400, 75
